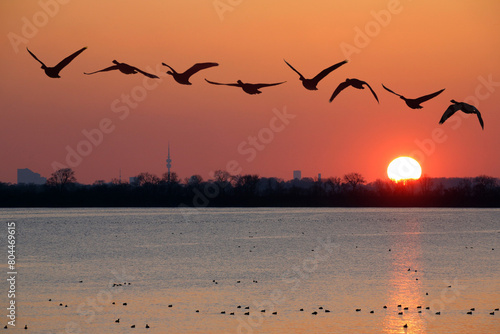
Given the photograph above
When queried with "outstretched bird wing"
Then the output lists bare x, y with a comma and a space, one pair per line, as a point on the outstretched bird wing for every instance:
168, 67
300, 75
111, 68
68, 59
31, 53
149, 75
339, 88
449, 112
262, 85
376, 98
480, 119
198, 67
428, 97
387, 89
327, 71
225, 84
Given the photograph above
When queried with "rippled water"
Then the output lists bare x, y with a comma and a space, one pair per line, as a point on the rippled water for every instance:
277, 260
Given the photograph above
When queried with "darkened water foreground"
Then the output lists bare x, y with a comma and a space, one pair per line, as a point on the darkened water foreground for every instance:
277, 260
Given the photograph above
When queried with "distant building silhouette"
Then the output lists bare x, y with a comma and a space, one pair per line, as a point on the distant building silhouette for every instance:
26, 176
132, 180
319, 177
169, 163
297, 174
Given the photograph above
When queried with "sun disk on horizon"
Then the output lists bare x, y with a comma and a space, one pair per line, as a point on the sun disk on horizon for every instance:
404, 168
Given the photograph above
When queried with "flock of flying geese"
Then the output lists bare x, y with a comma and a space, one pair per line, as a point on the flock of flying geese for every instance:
251, 88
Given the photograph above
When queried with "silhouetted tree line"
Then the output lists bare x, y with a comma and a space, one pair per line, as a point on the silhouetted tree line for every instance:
225, 190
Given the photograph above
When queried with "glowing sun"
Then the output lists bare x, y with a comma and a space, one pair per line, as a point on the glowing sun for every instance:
404, 168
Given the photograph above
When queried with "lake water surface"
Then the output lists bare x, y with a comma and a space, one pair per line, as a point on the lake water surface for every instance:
279, 260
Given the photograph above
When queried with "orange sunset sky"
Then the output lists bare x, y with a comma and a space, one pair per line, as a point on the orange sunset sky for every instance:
414, 47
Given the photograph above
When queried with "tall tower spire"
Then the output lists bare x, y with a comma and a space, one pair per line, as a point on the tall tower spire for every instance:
168, 163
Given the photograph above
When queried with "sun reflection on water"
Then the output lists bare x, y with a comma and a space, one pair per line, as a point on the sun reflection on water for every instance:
405, 285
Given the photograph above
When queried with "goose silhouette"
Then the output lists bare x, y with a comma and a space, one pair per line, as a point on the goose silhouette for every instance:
248, 88
464, 107
354, 83
183, 78
312, 83
125, 69
53, 72
415, 103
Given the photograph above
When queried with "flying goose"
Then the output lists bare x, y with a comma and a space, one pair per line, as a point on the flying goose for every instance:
465, 107
415, 103
247, 87
53, 72
183, 78
124, 68
354, 83
312, 83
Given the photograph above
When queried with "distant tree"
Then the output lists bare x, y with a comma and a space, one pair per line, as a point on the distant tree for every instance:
426, 184
146, 179
382, 188
409, 186
484, 184
116, 181
222, 177
334, 183
439, 189
354, 179
247, 180
99, 183
465, 186
194, 180
267, 186
164, 177
247, 183
174, 178
485, 181
235, 179
62, 178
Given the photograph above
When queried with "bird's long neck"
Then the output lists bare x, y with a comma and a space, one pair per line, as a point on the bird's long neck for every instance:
172, 71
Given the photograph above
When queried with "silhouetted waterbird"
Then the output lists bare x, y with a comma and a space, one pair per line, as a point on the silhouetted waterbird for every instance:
415, 103
53, 72
464, 107
359, 84
312, 83
183, 78
248, 88
125, 69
